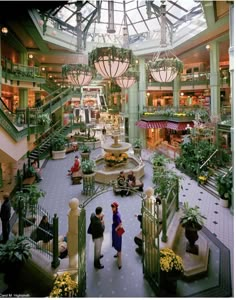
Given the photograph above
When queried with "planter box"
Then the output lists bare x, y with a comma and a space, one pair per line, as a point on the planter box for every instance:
59, 154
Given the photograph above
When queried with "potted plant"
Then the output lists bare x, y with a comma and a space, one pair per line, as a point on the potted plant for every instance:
171, 269
84, 151
29, 195
224, 183
58, 143
88, 169
137, 147
192, 220
13, 255
64, 286
158, 161
44, 120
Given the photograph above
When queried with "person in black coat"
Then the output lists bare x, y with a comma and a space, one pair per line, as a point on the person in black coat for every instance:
5, 215
97, 230
44, 230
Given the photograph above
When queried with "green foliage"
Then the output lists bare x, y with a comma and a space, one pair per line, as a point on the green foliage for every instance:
137, 143
44, 119
14, 251
58, 142
224, 185
77, 69
163, 181
29, 196
193, 155
84, 148
167, 63
191, 217
159, 159
88, 166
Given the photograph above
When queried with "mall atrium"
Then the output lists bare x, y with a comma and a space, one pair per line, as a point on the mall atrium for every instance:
142, 87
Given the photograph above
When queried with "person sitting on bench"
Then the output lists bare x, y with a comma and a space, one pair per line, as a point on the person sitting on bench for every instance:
121, 181
75, 167
33, 170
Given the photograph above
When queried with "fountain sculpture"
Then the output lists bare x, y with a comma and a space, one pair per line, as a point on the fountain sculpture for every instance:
116, 159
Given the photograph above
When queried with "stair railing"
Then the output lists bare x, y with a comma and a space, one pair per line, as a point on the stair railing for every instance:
205, 163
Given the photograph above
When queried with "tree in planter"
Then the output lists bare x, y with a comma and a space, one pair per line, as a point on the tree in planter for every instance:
29, 196
224, 183
58, 142
88, 167
192, 220
137, 147
58, 146
84, 151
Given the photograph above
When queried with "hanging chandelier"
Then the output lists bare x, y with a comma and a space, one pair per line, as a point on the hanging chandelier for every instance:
165, 67
111, 62
77, 74
126, 80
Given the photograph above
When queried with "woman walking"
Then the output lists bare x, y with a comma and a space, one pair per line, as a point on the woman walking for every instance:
116, 239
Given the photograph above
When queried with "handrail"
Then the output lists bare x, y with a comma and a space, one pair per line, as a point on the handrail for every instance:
208, 159
228, 171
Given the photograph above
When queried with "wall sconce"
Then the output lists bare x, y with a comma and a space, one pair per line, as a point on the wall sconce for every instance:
148, 94
208, 47
4, 30
31, 56
43, 69
182, 94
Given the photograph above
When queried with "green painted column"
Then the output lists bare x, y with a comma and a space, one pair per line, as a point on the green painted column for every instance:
214, 79
23, 96
176, 91
133, 111
231, 70
142, 97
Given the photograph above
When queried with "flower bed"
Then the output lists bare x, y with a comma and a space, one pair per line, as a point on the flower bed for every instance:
113, 160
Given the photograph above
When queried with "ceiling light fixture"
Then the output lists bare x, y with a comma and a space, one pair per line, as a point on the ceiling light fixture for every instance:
111, 62
165, 67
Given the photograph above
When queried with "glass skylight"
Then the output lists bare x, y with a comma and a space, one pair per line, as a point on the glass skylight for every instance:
142, 19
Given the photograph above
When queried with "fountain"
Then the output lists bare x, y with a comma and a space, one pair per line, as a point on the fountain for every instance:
115, 160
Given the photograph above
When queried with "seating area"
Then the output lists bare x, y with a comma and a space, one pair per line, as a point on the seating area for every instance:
138, 187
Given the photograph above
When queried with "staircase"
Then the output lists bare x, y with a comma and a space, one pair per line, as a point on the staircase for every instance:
42, 150
210, 186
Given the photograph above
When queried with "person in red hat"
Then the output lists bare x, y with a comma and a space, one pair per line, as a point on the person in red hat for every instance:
116, 239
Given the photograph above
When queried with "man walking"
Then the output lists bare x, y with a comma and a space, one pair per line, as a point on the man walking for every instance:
97, 230
5, 215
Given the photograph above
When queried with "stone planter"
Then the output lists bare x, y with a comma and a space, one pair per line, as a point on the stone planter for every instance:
224, 203
192, 236
84, 155
168, 282
137, 151
59, 154
89, 184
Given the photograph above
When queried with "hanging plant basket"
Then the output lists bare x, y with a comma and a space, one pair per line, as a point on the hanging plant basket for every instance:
77, 74
165, 69
111, 62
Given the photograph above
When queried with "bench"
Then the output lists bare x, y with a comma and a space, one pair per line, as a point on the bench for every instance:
76, 177
138, 186
29, 180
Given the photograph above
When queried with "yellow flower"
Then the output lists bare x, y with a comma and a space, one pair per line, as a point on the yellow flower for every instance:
169, 261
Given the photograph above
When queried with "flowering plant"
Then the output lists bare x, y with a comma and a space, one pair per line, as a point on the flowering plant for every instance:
111, 158
64, 286
170, 262
202, 179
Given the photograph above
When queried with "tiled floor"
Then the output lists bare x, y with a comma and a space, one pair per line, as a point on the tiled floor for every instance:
129, 281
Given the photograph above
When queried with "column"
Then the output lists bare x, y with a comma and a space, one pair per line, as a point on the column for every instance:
133, 111
23, 97
142, 96
72, 234
231, 70
214, 79
176, 91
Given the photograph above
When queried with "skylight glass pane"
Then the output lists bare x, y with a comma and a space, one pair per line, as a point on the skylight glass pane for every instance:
134, 15
131, 5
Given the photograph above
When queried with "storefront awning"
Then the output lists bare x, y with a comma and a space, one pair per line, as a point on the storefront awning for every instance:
178, 126
151, 124
163, 124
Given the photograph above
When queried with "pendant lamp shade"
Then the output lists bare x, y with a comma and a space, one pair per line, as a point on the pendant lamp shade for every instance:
110, 62
127, 79
78, 74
